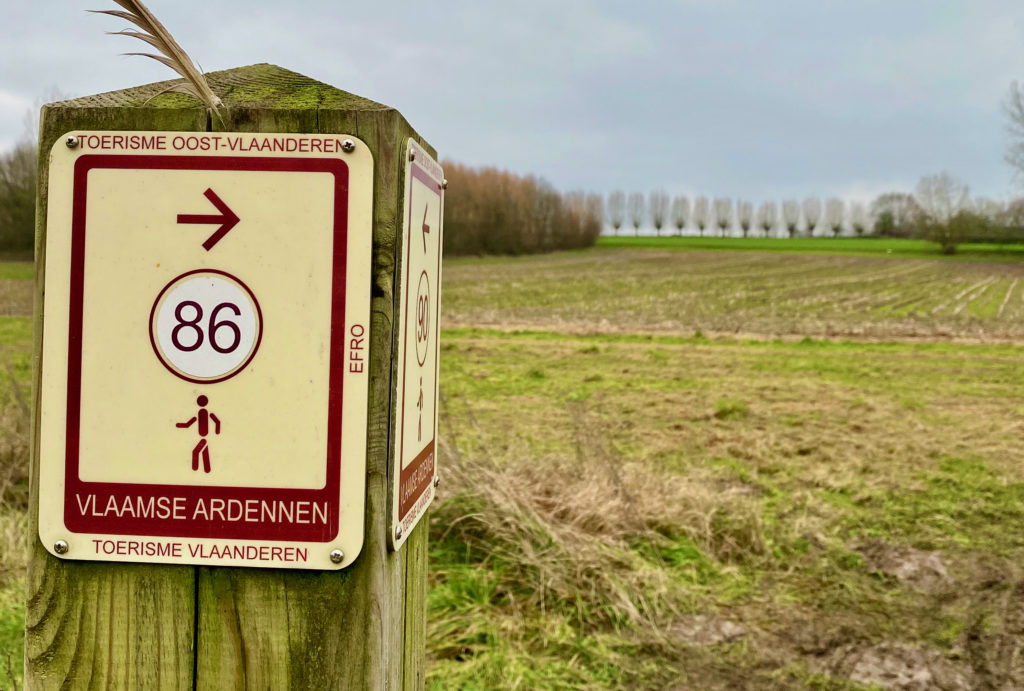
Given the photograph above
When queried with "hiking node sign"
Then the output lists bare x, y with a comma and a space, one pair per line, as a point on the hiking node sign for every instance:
414, 473
205, 340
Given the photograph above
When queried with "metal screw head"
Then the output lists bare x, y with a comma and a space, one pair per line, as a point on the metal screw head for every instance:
412, 155
398, 533
437, 480
337, 556
60, 547
71, 141
444, 184
348, 146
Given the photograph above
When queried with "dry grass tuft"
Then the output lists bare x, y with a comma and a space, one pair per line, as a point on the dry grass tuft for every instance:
567, 529
14, 438
595, 519
13, 544
16, 298
14, 452
563, 535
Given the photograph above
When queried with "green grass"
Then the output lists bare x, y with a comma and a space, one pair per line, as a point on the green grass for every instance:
862, 247
792, 455
13, 547
16, 270
15, 399
611, 472
759, 475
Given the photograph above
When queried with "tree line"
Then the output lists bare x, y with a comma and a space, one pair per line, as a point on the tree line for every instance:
487, 211
705, 214
491, 211
18, 198
940, 209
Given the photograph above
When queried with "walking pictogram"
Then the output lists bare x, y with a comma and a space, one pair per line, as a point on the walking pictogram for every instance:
202, 448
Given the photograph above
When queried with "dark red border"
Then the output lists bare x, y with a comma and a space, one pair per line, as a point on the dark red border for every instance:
169, 366
329, 493
426, 453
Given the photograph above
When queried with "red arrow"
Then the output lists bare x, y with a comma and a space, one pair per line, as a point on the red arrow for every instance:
226, 218
426, 228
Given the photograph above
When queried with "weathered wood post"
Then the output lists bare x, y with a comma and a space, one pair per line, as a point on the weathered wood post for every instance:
107, 491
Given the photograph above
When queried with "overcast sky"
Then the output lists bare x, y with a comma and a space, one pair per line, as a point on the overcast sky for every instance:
747, 99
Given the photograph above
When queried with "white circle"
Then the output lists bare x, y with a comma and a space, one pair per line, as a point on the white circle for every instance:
205, 326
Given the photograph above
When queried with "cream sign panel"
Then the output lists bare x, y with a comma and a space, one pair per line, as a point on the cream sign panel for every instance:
414, 473
205, 337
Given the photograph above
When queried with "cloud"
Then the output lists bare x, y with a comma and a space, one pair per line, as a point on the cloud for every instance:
745, 99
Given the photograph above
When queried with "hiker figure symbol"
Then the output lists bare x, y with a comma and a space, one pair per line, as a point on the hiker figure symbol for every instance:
202, 448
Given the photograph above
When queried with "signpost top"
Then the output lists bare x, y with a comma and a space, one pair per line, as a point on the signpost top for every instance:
375, 634
262, 86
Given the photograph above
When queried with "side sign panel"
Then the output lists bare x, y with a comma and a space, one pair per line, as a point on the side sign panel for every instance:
204, 395
415, 414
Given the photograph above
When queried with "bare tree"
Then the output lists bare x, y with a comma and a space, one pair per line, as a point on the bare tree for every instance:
943, 201
574, 202
594, 214
992, 209
723, 214
495, 212
767, 215
701, 213
617, 209
636, 211
858, 218
835, 209
18, 182
745, 216
1014, 108
791, 215
1015, 213
894, 214
941, 196
680, 213
18, 197
659, 209
812, 214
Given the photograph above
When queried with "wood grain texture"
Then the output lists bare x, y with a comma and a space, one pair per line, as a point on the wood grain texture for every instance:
360, 628
92, 625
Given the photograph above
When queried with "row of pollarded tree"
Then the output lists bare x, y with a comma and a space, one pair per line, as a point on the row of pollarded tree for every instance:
706, 213
940, 209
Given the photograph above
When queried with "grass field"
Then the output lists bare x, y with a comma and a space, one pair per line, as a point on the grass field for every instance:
707, 470
739, 293
849, 246
629, 504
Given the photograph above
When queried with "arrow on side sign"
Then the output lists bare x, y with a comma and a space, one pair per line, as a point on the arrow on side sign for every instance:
426, 226
226, 218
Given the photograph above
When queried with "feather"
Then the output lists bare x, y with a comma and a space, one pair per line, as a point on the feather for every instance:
170, 53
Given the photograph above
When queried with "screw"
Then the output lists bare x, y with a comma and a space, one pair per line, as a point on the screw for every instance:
348, 146
444, 184
398, 533
437, 480
412, 155
60, 547
71, 141
337, 556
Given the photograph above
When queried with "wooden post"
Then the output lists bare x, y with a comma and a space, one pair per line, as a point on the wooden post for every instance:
110, 625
